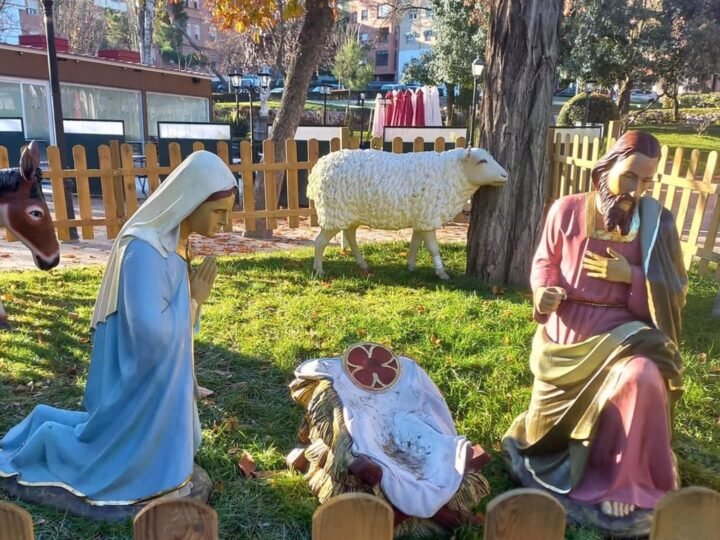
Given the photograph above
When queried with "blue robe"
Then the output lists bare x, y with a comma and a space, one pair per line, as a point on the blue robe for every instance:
140, 433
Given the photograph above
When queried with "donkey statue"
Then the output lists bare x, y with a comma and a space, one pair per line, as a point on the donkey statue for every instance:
25, 213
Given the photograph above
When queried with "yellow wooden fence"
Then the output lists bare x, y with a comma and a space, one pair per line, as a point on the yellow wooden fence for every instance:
686, 184
118, 172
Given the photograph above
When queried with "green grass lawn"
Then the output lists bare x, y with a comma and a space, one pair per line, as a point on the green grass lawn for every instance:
268, 314
684, 136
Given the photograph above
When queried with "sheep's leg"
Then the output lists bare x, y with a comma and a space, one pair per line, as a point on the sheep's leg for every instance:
352, 242
415, 243
434, 249
321, 242
4, 324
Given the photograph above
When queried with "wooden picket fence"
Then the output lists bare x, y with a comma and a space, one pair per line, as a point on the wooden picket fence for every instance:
686, 184
692, 513
117, 173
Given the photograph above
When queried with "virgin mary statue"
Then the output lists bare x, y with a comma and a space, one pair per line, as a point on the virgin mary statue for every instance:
139, 432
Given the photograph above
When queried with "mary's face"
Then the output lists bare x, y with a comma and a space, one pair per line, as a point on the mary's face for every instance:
210, 217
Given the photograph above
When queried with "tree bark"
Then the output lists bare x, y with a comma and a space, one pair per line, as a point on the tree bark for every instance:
521, 56
623, 100
450, 119
313, 35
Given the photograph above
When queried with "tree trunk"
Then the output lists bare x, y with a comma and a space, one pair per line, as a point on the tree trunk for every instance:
521, 55
313, 35
623, 100
146, 15
450, 87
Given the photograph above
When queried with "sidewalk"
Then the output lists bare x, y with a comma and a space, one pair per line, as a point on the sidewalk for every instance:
15, 256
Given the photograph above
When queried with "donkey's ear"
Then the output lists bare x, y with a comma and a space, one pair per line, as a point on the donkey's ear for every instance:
30, 161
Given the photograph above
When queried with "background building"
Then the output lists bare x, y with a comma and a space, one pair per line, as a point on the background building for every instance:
378, 30
415, 34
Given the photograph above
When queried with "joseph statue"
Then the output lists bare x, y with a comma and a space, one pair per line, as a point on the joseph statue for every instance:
609, 286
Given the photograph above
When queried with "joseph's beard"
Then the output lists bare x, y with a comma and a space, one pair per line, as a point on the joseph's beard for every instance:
614, 216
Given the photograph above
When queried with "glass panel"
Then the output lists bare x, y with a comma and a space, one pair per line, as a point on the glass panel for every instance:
37, 115
171, 108
94, 103
10, 103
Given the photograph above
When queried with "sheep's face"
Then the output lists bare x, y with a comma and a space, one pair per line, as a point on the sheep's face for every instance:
481, 169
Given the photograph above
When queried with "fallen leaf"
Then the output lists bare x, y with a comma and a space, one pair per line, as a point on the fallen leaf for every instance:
421, 309
232, 451
219, 486
73, 316
702, 357
498, 291
247, 465
205, 392
41, 521
435, 340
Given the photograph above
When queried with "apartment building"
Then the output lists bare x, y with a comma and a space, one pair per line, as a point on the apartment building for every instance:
415, 33
20, 17
378, 30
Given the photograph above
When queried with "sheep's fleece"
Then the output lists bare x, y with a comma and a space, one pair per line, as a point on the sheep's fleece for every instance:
422, 190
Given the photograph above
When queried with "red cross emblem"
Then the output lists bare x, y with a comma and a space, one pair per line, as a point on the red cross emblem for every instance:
371, 366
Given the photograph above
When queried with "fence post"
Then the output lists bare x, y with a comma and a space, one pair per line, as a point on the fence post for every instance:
15, 522
688, 514
353, 516
271, 194
82, 181
55, 172
108, 191
246, 172
182, 518
4, 161
292, 190
128, 165
151, 167
313, 156
117, 180
345, 137
525, 513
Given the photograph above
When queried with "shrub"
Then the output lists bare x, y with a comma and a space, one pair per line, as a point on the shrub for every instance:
697, 117
602, 110
695, 101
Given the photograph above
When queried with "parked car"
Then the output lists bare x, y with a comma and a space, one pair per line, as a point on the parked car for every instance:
641, 96
568, 91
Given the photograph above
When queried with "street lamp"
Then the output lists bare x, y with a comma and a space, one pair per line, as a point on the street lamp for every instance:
57, 104
589, 87
236, 79
362, 118
325, 90
265, 75
477, 71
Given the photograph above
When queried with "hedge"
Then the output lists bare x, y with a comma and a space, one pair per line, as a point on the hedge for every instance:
694, 101
685, 116
602, 110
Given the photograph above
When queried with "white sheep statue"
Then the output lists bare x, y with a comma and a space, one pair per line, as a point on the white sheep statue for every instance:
421, 190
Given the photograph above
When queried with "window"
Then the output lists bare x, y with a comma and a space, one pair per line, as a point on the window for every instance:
196, 31
383, 11
195, 4
173, 108
383, 34
364, 15
31, 11
212, 33
96, 103
381, 58
429, 13
412, 14
353, 18
428, 34
363, 38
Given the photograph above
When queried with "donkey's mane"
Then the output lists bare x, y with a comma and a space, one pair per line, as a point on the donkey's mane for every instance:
10, 181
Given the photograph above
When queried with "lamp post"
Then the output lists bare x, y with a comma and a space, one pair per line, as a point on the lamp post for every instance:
265, 76
589, 87
236, 81
57, 104
325, 91
477, 71
362, 118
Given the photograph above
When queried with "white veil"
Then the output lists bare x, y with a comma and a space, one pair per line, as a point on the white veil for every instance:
157, 221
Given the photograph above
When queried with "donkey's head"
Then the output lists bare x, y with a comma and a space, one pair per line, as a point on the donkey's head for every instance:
24, 212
